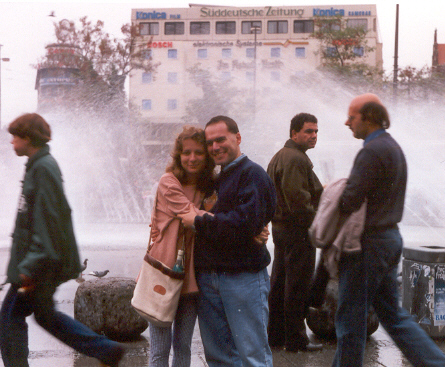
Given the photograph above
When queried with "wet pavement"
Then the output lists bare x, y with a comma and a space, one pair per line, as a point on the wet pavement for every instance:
120, 249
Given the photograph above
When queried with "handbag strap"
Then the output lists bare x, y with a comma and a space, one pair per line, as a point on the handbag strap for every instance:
181, 230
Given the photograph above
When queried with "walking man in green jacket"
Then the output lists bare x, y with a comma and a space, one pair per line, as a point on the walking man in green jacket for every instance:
44, 254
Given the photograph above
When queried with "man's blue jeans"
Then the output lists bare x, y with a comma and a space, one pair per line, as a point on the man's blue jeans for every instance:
233, 316
14, 329
370, 278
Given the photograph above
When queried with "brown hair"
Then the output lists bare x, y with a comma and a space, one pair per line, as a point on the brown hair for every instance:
33, 126
205, 182
376, 114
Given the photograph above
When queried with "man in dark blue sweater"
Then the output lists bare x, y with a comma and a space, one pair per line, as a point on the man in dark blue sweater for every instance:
230, 265
378, 176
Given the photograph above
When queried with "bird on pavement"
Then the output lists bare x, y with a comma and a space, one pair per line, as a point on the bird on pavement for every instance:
99, 274
83, 267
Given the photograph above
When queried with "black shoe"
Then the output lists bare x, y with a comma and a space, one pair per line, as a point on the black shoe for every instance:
115, 357
310, 347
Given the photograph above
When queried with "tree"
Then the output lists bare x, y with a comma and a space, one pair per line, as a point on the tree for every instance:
102, 64
341, 45
217, 96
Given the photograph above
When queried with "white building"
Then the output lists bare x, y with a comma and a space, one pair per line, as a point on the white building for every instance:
222, 40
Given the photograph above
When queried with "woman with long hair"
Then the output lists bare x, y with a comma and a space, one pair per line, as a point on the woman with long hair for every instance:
189, 178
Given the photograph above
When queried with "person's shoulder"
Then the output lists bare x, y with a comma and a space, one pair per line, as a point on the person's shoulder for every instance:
168, 180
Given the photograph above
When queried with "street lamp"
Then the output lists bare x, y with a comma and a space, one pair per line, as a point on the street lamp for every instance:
1, 59
254, 29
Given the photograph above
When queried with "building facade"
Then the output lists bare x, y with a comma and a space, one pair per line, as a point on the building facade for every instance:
261, 46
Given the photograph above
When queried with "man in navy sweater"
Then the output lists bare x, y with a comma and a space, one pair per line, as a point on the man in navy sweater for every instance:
378, 176
230, 265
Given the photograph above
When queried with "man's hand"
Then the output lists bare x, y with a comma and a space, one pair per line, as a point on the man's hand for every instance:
27, 284
188, 219
262, 238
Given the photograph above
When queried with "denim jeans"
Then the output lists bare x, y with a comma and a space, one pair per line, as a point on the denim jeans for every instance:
370, 278
233, 315
14, 329
179, 335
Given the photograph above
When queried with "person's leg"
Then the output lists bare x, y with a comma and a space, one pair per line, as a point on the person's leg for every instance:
276, 329
13, 328
350, 319
217, 339
160, 345
72, 332
300, 266
244, 296
183, 328
412, 340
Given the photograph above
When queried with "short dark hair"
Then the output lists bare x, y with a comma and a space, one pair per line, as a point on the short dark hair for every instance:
33, 126
375, 113
232, 126
298, 121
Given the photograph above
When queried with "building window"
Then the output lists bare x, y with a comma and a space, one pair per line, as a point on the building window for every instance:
226, 76
300, 52
275, 76
149, 29
246, 27
172, 78
226, 53
331, 52
146, 104
275, 52
250, 52
250, 76
174, 28
202, 53
357, 23
200, 28
329, 26
172, 53
172, 104
147, 78
277, 26
225, 27
147, 54
303, 26
359, 51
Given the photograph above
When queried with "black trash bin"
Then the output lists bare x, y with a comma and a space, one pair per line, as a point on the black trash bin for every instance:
423, 287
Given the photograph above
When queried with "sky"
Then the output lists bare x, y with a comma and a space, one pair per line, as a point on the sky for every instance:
26, 28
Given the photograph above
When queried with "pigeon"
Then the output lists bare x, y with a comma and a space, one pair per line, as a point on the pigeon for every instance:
83, 267
99, 274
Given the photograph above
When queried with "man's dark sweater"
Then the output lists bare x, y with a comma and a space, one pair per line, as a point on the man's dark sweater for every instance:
246, 203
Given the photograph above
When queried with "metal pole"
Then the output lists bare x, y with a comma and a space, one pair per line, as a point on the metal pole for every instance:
396, 55
254, 29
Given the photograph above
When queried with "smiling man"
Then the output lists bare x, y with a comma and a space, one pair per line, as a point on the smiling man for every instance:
298, 193
231, 268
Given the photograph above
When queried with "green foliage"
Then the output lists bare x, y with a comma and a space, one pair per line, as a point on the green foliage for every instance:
338, 42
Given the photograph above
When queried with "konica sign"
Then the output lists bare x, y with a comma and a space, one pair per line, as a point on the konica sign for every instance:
150, 15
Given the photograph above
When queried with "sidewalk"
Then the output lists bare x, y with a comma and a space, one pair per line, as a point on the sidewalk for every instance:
120, 249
